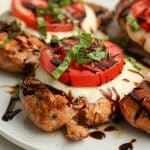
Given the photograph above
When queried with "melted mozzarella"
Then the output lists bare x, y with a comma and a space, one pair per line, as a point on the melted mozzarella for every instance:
88, 25
120, 84
141, 37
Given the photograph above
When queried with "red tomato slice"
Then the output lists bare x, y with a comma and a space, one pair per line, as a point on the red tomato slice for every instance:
139, 6
145, 26
84, 75
59, 27
45, 59
25, 14
83, 78
103, 77
29, 17
65, 78
141, 10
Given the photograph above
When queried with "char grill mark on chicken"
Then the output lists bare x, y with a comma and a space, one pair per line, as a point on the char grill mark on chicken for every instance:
21, 52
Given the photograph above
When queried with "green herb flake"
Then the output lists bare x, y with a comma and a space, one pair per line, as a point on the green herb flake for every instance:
133, 23
133, 62
98, 54
41, 26
43, 11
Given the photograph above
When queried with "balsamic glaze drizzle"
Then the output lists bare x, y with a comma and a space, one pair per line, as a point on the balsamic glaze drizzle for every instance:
97, 135
10, 113
127, 146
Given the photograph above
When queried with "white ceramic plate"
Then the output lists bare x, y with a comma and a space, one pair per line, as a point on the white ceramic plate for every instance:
23, 133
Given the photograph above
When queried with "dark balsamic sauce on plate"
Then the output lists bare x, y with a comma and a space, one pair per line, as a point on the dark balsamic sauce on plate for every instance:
10, 113
99, 135
109, 128
127, 146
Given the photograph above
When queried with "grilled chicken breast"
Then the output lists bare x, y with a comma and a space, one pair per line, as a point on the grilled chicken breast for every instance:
141, 37
50, 109
136, 107
20, 52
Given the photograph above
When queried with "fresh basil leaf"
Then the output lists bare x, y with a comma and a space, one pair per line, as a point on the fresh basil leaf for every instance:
85, 40
64, 3
81, 57
62, 68
98, 54
41, 26
133, 23
133, 62
74, 54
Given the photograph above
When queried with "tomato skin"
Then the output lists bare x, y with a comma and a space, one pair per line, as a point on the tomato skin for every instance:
65, 78
103, 77
115, 50
25, 14
59, 27
112, 72
45, 60
83, 78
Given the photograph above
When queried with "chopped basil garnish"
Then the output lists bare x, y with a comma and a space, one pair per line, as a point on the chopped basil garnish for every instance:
98, 54
41, 26
80, 54
133, 62
15, 29
85, 41
53, 8
133, 23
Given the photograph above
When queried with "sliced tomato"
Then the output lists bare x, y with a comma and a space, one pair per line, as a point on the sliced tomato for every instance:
86, 75
103, 77
59, 27
139, 6
65, 78
30, 19
25, 14
45, 59
83, 78
141, 11
145, 26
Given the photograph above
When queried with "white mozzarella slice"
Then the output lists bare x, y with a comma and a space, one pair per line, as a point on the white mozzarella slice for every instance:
123, 84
